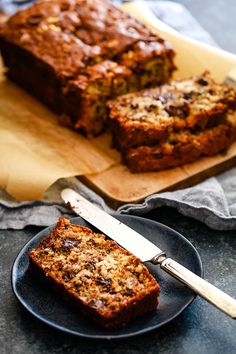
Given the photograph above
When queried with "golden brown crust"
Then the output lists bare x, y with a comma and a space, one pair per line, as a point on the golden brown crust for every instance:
52, 45
102, 279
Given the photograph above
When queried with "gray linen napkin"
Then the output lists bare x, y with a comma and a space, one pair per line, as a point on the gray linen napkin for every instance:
213, 201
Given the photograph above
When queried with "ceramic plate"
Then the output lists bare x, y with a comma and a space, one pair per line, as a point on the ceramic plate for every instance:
44, 304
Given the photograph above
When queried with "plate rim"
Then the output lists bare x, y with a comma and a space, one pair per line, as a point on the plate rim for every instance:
100, 336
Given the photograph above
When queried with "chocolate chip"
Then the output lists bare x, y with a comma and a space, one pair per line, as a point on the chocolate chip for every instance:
69, 243
128, 292
187, 96
181, 110
92, 241
105, 282
202, 82
151, 107
134, 105
67, 276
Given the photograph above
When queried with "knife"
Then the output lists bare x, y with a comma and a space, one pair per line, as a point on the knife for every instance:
146, 251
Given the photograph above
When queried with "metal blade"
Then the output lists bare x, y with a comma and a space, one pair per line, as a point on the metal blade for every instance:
122, 234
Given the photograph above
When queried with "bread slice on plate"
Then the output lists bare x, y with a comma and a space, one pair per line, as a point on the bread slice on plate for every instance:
95, 274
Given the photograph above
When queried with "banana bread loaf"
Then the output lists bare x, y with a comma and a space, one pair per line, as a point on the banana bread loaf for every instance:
106, 282
74, 55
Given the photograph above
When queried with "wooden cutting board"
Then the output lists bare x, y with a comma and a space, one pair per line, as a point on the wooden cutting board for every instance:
120, 186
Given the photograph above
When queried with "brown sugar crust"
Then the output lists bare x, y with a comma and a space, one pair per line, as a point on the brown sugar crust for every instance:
51, 47
149, 116
106, 282
180, 148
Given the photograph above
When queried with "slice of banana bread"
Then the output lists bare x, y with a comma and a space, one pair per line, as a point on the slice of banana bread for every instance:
53, 47
106, 282
180, 148
149, 116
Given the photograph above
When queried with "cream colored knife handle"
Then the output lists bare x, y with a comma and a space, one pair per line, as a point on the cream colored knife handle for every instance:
209, 292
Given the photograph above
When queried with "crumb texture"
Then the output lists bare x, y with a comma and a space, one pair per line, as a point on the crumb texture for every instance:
108, 283
173, 124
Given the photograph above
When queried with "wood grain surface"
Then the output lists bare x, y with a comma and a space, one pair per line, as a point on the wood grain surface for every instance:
121, 186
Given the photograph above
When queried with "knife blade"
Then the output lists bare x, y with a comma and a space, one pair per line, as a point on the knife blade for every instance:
147, 251
119, 232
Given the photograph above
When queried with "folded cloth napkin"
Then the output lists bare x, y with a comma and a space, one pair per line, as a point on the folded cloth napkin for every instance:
213, 201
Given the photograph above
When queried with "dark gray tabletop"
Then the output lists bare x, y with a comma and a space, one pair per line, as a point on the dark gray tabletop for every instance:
200, 328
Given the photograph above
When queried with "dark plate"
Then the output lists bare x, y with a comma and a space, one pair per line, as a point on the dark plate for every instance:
42, 302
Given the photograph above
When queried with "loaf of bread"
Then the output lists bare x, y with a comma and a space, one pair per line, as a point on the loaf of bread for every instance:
74, 55
173, 124
100, 278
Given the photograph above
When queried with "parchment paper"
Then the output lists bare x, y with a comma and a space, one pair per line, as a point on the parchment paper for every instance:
193, 57
35, 150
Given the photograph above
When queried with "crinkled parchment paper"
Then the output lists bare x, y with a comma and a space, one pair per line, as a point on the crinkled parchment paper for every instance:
35, 150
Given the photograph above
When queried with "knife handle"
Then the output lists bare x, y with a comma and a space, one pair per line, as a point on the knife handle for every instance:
209, 292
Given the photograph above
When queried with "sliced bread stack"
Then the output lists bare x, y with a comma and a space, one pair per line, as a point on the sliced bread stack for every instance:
173, 124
